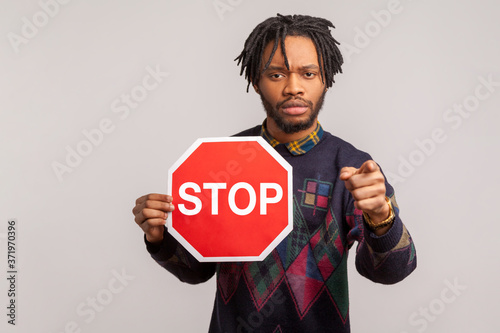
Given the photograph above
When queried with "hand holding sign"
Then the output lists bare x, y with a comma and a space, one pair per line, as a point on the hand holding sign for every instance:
151, 212
367, 186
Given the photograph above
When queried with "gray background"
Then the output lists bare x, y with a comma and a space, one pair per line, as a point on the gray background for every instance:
76, 232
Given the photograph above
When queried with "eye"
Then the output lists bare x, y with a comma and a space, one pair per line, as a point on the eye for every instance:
276, 76
309, 75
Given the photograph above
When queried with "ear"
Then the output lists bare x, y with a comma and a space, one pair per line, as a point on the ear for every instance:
256, 88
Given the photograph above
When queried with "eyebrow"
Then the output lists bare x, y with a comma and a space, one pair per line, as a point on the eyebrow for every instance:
281, 68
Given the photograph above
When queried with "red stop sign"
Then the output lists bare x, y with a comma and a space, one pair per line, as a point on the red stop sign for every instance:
233, 199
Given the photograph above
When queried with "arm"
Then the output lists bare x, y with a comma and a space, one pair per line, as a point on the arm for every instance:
150, 213
385, 255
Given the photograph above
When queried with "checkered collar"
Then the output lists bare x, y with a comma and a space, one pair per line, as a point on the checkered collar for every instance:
297, 147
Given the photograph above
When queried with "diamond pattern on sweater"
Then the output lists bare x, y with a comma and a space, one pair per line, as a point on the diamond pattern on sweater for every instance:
263, 277
310, 264
338, 290
304, 280
310, 261
328, 246
293, 244
228, 277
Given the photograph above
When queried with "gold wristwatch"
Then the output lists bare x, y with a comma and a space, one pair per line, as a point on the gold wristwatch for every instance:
384, 223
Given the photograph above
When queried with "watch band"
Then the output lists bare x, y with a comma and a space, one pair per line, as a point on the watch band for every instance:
384, 223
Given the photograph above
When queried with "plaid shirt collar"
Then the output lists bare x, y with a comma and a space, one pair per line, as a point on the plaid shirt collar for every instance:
297, 147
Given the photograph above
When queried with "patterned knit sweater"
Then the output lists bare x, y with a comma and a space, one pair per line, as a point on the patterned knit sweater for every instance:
302, 285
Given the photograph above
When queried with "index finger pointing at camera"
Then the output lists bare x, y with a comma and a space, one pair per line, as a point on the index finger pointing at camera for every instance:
368, 166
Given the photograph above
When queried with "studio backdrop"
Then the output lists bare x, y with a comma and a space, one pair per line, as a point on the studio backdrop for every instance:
99, 98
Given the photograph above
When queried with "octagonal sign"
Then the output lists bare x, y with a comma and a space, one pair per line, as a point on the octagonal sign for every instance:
233, 199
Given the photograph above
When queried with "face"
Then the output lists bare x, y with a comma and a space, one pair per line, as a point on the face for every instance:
292, 97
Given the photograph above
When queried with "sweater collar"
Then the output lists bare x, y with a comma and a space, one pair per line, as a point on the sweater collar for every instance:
297, 147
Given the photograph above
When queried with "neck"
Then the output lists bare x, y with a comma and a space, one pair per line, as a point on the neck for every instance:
283, 137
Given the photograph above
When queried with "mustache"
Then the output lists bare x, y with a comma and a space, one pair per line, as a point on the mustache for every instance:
297, 101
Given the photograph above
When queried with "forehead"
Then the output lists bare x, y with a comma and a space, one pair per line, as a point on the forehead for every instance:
300, 51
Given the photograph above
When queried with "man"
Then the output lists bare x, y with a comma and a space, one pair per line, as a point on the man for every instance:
340, 196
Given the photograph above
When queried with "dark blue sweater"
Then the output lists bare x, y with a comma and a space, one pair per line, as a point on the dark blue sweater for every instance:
302, 285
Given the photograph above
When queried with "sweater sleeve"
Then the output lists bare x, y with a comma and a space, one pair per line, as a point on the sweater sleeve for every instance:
177, 260
385, 259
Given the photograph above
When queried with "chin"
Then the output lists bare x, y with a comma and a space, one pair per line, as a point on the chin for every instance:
291, 127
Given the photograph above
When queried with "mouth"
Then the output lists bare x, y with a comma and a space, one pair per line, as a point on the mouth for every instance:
294, 107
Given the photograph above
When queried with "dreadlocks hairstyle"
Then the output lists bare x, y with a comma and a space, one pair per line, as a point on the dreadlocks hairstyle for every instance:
277, 28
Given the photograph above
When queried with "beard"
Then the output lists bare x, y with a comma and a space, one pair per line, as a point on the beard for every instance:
290, 127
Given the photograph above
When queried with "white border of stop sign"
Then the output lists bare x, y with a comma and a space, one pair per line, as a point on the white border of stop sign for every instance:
286, 166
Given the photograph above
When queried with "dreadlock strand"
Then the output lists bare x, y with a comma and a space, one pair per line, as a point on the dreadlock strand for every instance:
273, 51
319, 49
282, 40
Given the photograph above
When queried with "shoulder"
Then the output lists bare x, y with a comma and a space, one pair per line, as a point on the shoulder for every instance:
254, 131
342, 151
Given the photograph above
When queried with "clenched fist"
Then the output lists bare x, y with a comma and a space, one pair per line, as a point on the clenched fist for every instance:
367, 186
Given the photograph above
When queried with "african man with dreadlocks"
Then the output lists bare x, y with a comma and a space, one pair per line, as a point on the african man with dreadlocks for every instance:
340, 196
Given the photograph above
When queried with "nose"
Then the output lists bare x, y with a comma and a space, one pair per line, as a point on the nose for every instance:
293, 85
